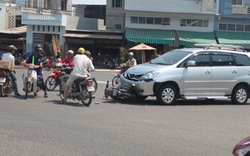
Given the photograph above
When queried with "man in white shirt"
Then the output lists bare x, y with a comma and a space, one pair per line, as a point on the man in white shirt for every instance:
9, 56
81, 66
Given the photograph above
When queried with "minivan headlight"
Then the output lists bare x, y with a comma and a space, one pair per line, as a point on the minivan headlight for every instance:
149, 76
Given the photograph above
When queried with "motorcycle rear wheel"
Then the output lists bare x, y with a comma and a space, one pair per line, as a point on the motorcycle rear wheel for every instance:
61, 92
51, 83
2, 91
88, 97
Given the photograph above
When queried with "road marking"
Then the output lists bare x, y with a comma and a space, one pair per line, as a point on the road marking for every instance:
104, 82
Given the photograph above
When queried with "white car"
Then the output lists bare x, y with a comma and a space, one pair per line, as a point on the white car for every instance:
203, 72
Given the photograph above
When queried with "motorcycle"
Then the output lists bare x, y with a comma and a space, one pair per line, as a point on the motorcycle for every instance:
122, 93
31, 81
242, 148
6, 84
82, 89
54, 79
116, 79
52, 63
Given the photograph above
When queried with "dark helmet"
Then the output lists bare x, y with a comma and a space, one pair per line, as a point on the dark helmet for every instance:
11, 47
38, 47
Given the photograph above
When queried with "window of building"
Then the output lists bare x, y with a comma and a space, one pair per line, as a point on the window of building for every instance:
222, 26
64, 5
116, 3
0, 9
150, 20
237, 2
157, 20
118, 26
239, 27
247, 27
134, 19
165, 21
142, 20
194, 23
231, 27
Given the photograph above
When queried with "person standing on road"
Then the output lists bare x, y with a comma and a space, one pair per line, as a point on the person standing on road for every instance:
38, 62
81, 66
9, 56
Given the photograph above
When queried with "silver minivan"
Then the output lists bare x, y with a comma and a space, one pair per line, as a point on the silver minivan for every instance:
203, 72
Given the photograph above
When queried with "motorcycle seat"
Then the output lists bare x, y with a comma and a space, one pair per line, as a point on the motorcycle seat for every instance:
78, 80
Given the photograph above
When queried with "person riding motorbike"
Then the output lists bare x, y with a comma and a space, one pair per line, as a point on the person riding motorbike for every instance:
130, 63
81, 66
69, 59
37, 57
88, 53
9, 56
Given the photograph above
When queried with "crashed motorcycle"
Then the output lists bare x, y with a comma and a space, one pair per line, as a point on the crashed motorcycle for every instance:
122, 92
6, 84
81, 90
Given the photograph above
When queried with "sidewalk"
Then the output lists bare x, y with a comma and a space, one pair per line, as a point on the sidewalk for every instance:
97, 68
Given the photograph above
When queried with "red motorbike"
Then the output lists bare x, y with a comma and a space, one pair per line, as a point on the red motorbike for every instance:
54, 79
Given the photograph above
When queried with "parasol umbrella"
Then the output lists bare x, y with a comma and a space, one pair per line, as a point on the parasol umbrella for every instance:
142, 47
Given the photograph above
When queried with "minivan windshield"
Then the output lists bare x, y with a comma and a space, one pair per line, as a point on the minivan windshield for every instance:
170, 57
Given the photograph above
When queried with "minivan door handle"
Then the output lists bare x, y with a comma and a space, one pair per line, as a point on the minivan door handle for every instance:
234, 71
207, 72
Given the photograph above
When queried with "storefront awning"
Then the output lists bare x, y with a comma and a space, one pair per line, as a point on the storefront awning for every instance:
234, 38
189, 38
150, 36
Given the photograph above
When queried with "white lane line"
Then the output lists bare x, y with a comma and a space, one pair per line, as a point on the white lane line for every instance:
104, 82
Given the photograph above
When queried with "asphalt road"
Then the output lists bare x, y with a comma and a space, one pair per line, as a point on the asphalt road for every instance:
44, 126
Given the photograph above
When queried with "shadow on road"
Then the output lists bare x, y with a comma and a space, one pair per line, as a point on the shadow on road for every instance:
153, 102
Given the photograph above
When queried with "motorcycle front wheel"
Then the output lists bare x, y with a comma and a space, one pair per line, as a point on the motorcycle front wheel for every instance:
116, 81
27, 90
87, 98
51, 83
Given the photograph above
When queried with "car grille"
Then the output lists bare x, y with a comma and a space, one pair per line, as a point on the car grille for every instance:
132, 77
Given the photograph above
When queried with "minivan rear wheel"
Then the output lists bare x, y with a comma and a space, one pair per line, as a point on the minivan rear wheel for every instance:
167, 94
240, 95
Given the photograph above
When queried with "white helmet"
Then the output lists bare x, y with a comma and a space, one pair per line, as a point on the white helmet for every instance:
131, 54
71, 52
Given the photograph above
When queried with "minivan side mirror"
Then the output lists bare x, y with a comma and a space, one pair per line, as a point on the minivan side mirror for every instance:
190, 63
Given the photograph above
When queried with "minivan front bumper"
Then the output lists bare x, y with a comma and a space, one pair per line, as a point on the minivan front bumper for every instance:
141, 88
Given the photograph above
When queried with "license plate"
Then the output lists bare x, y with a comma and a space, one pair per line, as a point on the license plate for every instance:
90, 88
2, 80
115, 91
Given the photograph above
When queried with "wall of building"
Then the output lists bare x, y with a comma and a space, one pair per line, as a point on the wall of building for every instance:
180, 6
74, 22
115, 16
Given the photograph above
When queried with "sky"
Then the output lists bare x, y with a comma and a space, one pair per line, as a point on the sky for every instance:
95, 2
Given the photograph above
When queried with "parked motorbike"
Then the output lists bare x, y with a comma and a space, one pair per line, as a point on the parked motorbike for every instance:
30, 81
6, 84
52, 63
82, 89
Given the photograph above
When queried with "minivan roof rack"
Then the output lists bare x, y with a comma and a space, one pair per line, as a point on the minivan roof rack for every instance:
220, 46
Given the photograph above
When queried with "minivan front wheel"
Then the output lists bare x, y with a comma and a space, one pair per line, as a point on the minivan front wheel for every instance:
240, 95
167, 94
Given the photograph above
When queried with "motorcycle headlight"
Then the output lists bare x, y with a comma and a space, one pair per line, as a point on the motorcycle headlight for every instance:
149, 76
